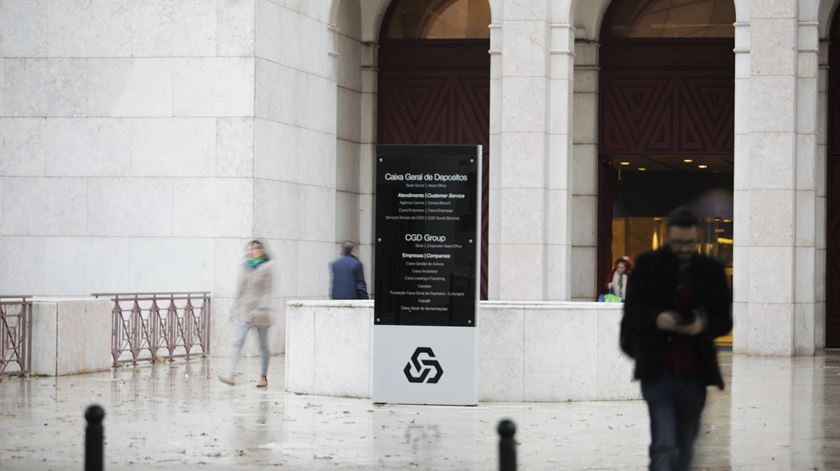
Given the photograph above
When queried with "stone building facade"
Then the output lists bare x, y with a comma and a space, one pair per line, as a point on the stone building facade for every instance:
144, 142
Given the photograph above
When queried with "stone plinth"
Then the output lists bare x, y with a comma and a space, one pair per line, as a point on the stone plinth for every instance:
70, 335
528, 351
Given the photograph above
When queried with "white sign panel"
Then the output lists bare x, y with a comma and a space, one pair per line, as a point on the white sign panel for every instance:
425, 365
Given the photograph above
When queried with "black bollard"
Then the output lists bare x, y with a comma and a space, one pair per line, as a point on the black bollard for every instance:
94, 438
507, 446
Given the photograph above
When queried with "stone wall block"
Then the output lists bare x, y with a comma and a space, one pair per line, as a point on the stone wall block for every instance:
771, 217
130, 87
130, 207
235, 147
88, 147
174, 28
522, 216
22, 147
524, 104
771, 274
213, 87
182, 147
523, 160
521, 276
235, 27
525, 49
90, 28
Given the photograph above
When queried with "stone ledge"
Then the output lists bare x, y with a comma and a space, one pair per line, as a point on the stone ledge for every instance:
69, 335
528, 351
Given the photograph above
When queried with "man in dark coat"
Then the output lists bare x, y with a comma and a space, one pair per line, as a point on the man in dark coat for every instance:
678, 302
348, 275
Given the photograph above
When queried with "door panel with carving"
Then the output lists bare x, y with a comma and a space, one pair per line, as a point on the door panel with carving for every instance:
438, 92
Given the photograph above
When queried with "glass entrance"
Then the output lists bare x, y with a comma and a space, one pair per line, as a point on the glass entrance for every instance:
666, 125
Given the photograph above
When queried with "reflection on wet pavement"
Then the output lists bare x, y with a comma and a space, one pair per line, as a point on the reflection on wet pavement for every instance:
777, 413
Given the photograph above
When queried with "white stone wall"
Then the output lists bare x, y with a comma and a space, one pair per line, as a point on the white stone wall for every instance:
526, 351
295, 147
70, 337
126, 142
519, 126
142, 143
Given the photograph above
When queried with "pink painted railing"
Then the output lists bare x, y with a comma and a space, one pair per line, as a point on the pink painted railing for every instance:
159, 326
15, 335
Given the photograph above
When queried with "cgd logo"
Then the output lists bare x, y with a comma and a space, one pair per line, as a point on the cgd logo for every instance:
423, 367
425, 238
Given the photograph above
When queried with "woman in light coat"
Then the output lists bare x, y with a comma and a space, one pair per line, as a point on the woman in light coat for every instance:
618, 285
252, 308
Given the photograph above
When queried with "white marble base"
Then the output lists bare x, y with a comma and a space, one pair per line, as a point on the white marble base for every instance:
528, 351
330, 345
70, 335
447, 376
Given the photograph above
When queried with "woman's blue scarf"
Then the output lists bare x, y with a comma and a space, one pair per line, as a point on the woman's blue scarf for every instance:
255, 262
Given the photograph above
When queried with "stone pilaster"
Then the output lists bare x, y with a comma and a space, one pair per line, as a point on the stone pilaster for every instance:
775, 192
520, 136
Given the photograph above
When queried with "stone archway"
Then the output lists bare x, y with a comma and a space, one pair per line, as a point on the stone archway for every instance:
356, 27
587, 18
435, 89
666, 112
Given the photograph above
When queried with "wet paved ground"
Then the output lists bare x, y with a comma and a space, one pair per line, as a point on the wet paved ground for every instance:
775, 414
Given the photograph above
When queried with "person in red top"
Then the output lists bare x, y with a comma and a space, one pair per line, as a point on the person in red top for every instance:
678, 302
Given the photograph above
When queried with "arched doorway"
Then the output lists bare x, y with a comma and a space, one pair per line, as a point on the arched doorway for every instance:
666, 124
434, 81
832, 268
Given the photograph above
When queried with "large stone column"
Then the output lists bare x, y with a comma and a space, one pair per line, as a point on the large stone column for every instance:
520, 138
775, 199
562, 219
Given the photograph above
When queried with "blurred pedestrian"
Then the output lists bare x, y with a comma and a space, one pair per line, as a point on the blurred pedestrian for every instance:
618, 284
252, 308
678, 301
348, 274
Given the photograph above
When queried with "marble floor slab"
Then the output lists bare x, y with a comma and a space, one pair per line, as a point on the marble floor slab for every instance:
776, 413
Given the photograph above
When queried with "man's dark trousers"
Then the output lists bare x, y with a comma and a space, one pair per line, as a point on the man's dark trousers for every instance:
675, 405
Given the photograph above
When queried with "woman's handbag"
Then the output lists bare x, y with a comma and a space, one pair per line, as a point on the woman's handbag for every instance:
261, 316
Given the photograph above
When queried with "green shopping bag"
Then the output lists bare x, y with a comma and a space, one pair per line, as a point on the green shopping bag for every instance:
612, 298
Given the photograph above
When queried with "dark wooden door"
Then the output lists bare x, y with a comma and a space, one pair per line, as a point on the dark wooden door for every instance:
438, 92
832, 265
667, 97
664, 97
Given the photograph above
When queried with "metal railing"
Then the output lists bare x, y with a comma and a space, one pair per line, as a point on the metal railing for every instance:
152, 326
15, 335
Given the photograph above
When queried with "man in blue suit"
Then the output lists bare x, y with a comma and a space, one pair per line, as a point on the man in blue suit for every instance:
348, 275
